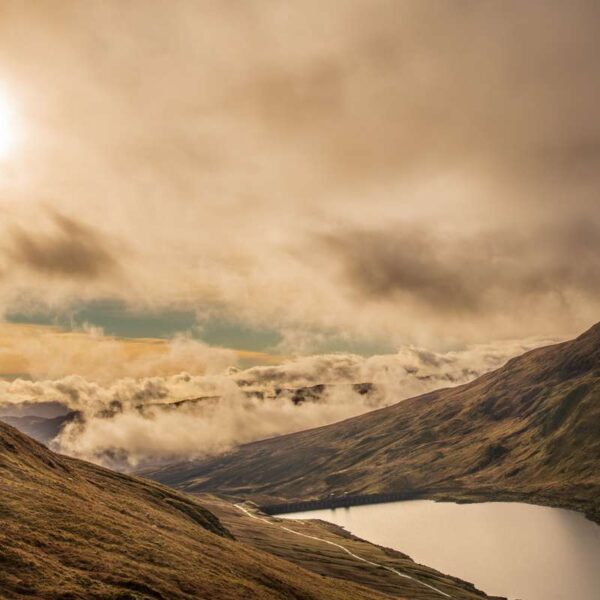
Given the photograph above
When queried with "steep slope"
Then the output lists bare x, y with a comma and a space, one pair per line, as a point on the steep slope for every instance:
529, 431
72, 530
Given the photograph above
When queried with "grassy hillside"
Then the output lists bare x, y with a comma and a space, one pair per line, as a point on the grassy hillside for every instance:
71, 530
528, 431
320, 552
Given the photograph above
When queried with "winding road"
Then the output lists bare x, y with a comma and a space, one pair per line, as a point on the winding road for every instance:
369, 562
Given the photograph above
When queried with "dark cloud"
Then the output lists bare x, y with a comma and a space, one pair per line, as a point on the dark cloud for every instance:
486, 271
74, 250
380, 265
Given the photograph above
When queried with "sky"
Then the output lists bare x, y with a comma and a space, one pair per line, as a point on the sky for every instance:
285, 179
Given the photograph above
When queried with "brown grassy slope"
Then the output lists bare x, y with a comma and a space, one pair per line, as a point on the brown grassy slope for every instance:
71, 530
326, 559
528, 431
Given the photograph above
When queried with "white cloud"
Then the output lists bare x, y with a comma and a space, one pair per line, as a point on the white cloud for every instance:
135, 420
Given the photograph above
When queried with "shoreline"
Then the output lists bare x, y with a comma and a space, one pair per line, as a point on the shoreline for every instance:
463, 497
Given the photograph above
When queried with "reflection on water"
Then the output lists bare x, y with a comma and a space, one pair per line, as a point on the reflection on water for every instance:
504, 548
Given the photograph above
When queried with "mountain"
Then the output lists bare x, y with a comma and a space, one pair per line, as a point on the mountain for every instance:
42, 429
47, 409
72, 530
528, 431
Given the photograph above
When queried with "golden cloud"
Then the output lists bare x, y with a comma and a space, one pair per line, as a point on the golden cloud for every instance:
41, 351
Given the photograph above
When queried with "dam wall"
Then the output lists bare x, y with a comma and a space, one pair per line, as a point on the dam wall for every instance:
336, 502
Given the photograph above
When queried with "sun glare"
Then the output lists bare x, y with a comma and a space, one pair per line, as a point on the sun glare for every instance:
7, 125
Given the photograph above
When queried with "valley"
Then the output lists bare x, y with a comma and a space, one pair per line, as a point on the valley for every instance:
525, 432
70, 529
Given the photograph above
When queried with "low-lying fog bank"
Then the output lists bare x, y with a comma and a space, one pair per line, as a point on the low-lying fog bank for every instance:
131, 421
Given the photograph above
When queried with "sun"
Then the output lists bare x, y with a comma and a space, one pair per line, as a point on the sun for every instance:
8, 125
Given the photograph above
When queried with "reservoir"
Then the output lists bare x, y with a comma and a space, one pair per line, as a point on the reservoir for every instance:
517, 550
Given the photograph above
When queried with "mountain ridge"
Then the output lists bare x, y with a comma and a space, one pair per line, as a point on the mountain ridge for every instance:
528, 431
73, 530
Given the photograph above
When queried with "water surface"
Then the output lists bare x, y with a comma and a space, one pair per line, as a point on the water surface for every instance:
505, 548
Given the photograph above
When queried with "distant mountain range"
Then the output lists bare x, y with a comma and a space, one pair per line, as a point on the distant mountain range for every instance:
528, 431
42, 429
45, 408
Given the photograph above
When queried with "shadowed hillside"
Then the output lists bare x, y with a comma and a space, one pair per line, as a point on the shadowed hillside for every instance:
73, 530
528, 431
42, 429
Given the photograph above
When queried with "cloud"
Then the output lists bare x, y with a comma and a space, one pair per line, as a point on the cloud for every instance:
74, 250
408, 372
473, 273
207, 159
383, 264
132, 421
42, 352
210, 427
